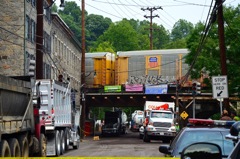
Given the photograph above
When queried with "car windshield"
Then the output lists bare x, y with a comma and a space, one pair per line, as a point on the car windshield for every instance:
217, 137
161, 115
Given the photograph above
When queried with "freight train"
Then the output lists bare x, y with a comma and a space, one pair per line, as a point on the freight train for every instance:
148, 67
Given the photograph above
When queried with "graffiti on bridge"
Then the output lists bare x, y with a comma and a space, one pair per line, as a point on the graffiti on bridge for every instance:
151, 80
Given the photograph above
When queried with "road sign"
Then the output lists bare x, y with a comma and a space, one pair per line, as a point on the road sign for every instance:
184, 115
220, 87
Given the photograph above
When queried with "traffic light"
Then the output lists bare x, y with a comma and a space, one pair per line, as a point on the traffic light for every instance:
31, 67
196, 88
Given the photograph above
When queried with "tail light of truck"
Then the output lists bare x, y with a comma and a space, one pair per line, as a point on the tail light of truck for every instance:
52, 111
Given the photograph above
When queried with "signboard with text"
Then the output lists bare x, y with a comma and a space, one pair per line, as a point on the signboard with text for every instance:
220, 87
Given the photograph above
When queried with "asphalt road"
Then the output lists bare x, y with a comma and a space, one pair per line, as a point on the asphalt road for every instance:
128, 145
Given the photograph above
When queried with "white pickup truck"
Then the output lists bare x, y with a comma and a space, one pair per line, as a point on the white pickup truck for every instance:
158, 121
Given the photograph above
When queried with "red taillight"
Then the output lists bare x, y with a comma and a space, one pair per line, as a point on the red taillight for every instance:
52, 111
36, 112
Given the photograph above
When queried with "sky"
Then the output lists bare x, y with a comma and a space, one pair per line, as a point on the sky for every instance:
169, 12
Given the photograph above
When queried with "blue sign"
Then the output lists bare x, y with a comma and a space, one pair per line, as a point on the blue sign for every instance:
156, 89
153, 59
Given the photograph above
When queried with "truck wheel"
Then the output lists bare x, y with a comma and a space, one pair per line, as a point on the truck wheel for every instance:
62, 142
23, 142
78, 141
42, 146
14, 147
67, 138
4, 149
57, 143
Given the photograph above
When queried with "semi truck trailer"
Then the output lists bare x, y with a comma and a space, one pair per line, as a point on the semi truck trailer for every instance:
36, 118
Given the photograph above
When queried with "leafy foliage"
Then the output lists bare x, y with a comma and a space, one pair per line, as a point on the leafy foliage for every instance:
181, 29
122, 36
208, 61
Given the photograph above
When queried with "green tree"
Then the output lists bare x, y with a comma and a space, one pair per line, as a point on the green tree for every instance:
72, 9
161, 36
104, 47
181, 29
208, 60
71, 15
121, 35
96, 25
54, 8
142, 33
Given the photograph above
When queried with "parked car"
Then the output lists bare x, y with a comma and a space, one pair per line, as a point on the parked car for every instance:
212, 151
200, 130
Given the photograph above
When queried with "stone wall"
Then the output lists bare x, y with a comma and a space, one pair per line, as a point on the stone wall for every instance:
12, 32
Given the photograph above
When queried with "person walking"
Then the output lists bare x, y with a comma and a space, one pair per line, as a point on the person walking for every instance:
225, 116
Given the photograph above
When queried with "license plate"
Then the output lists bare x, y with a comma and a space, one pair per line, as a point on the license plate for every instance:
161, 133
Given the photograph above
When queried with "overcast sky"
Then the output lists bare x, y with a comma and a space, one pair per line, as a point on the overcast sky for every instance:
172, 10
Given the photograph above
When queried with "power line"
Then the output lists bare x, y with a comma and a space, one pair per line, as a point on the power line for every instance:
104, 11
114, 8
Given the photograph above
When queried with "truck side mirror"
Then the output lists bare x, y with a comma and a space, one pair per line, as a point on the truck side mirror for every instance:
202, 150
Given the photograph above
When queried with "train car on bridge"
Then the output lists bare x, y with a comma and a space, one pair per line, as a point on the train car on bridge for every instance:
149, 67
100, 68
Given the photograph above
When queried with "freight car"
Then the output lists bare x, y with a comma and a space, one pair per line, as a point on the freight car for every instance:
151, 67
100, 68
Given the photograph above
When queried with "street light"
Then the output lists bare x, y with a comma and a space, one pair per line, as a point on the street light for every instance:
62, 4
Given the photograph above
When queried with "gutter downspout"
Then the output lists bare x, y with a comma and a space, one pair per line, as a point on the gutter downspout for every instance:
24, 40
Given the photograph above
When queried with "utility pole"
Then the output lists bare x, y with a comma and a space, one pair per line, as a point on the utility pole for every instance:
222, 46
39, 41
83, 103
151, 17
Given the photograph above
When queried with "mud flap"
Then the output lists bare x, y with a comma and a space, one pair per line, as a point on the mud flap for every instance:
51, 149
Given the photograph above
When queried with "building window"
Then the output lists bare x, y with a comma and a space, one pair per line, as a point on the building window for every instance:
46, 71
47, 11
44, 41
33, 31
33, 3
27, 28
